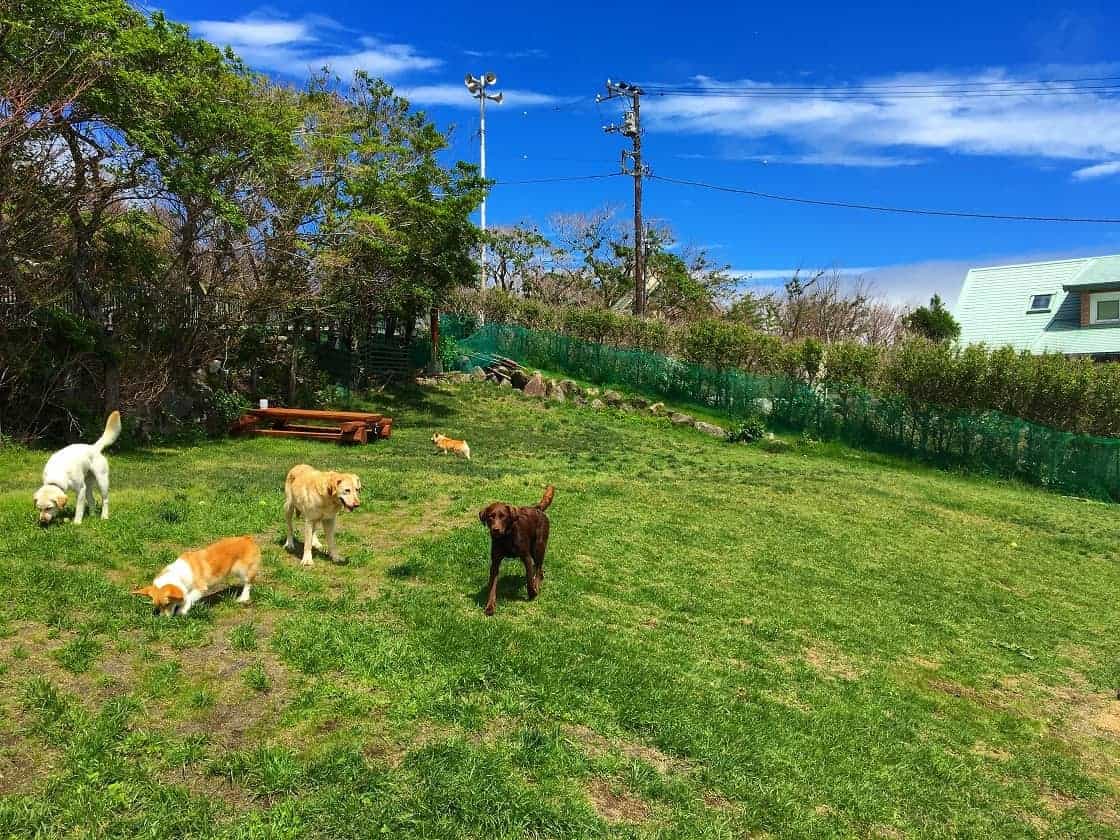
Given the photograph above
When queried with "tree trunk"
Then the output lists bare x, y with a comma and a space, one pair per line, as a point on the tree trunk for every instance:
437, 359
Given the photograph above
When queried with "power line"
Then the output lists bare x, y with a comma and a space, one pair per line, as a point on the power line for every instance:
862, 95
927, 89
884, 209
918, 85
559, 179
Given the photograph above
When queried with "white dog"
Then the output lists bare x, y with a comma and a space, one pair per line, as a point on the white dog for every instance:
74, 469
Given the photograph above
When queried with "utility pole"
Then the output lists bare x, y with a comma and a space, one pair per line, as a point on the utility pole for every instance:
477, 86
632, 127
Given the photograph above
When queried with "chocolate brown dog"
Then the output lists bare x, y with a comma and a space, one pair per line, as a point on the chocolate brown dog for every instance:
517, 532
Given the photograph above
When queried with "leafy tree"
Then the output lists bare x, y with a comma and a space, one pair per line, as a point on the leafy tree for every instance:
934, 322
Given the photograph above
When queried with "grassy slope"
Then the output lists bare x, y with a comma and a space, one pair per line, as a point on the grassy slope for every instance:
728, 643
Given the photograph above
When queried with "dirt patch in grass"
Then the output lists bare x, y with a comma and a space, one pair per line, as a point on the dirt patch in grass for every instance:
827, 660
615, 804
25, 763
599, 745
390, 753
387, 531
198, 782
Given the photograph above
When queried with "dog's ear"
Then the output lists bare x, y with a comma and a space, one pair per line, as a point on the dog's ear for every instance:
171, 593
484, 515
146, 592
61, 499
332, 484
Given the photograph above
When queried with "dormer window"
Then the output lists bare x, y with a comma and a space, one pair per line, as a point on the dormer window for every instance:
1104, 308
1040, 303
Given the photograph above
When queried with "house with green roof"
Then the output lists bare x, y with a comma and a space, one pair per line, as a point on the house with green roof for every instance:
1064, 306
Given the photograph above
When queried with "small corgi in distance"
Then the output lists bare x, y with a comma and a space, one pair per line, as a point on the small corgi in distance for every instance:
182, 583
446, 444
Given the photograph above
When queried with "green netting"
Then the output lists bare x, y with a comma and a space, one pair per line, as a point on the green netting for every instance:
987, 442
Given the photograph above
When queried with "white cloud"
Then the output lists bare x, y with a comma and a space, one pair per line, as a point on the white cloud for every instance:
456, 96
1099, 170
298, 47
872, 125
775, 276
253, 32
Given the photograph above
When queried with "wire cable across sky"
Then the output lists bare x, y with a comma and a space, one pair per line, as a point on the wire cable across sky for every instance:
849, 205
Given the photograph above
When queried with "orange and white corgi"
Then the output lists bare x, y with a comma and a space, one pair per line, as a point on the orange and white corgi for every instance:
193, 573
446, 444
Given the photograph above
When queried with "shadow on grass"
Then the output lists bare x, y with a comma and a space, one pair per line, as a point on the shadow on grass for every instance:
510, 588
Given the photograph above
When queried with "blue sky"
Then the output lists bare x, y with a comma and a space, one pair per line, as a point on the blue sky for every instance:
1057, 154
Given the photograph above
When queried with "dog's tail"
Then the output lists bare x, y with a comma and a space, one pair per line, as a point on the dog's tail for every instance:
546, 499
111, 433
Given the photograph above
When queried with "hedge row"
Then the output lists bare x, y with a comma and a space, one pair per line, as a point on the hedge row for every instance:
1071, 394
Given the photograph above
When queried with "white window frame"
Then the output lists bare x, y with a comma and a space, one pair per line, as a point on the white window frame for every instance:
1096, 298
1049, 306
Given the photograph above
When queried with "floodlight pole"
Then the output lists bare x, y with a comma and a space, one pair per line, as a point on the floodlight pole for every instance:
477, 86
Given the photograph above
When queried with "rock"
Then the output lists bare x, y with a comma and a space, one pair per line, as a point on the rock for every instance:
774, 444
678, 419
764, 406
535, 386
478, 374
612, 398
502, 370
709, 429
598, 404
554, 391
505, 383
591, 393
463, 363
499, 378
569, 386
657, 408
518, 377
637, 402
580, 400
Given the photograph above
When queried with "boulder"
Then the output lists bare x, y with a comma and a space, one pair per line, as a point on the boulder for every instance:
505, 383
598, 404
535, 386
463, 363
570, 387
774, 444
554, 391
478, 374
764, 406
591, 393
678, 419
518, 377
580, 400
612, 398
709, 429
637, 402
657, 408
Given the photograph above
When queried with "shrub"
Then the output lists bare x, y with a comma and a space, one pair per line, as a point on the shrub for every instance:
748, 431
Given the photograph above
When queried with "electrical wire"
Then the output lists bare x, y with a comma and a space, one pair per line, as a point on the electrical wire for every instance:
901, 90
884, 209
558, 179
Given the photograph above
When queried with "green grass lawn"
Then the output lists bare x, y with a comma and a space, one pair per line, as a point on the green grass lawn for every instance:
729, 643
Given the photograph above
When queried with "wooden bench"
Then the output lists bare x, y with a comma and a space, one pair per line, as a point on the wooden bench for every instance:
339, 426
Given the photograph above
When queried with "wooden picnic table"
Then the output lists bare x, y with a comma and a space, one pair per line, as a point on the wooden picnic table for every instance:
338, 426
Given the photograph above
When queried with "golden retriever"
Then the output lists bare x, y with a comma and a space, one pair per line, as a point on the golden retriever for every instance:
318, 497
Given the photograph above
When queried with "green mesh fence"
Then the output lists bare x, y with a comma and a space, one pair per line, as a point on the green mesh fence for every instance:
987, 442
